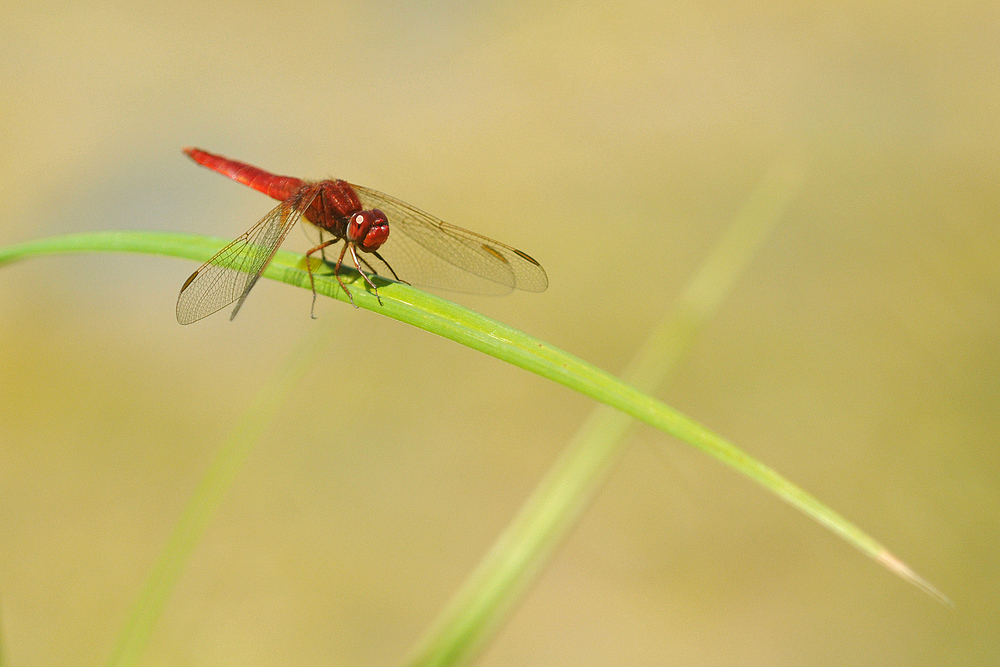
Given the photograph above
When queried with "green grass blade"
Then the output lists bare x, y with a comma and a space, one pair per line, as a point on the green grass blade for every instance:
464, 326
481, 333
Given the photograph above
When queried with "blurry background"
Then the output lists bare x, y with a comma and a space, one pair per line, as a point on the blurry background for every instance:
858, 356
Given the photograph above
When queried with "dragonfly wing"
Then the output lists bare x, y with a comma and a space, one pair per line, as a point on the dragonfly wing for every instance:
426, 251
233, 271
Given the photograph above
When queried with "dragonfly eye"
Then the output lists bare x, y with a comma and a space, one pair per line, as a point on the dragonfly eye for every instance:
368, 229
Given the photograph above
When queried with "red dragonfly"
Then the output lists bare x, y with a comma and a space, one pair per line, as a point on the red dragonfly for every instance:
426, 250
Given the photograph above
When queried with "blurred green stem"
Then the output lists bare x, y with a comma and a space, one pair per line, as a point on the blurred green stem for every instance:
485, 601
210, 491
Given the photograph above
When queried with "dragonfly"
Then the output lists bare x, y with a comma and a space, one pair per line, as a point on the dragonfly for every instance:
424, 250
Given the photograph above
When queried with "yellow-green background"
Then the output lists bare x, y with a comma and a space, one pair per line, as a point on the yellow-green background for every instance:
613, 141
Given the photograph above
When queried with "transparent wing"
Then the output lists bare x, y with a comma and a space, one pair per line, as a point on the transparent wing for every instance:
232, 272
428, 252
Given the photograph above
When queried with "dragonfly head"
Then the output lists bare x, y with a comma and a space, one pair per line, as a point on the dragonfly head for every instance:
368, 229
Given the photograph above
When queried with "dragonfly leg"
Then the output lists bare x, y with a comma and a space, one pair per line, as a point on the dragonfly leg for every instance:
357, 263
371, 269
391, 270
321, 248
336, 273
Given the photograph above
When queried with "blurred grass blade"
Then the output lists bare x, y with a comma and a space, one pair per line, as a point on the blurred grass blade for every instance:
210, 491
481, 606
